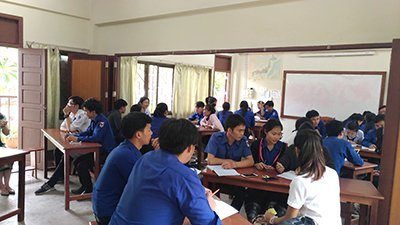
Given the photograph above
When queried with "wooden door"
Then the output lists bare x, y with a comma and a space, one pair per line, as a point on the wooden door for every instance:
32, 97
89, 77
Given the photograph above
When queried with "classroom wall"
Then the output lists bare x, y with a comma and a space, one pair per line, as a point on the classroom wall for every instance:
55, 22
267, 24
198, 60
264, 73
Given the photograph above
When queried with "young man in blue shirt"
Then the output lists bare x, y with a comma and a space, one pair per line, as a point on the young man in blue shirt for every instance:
338, 148
198, 114
115, 118
231, 150
136, 128
270, 112
371, 137
99, 131
315, 118
161, 190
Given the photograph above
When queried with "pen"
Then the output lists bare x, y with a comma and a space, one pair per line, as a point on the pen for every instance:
215, 192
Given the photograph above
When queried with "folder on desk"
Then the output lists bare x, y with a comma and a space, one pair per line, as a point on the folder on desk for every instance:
221, 171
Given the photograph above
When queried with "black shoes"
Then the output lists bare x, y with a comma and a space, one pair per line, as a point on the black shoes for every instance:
44, 189
82, 190
252, 210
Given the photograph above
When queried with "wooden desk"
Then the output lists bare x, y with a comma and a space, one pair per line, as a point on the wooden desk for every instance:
235, 219
57, 137
203, 132
351, 190
365, 153
8, 156
354, 171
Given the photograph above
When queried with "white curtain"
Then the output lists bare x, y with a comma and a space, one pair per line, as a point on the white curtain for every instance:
191, 84
128, 78
238, 81
53, 87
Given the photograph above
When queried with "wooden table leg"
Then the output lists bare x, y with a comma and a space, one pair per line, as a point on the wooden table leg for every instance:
66, 179
21, 189
96, 164
45, 164
363, 214
373, 217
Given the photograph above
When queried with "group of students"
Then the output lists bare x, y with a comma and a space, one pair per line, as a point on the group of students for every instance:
159, 187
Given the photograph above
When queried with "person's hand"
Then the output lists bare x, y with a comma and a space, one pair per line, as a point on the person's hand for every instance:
66, 110
210, 199
228, 164
155, 143
372, 146
194, 122
268, 216
260, 166
279, 167
72, 138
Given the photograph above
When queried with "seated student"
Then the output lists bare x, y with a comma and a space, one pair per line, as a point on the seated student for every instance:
115, 118
211, 100
136, 127
100, 132
315, 118
144, 102
161, 189
314, 194
198, 113
248, 116
289, 139
76, 121
370, 138
210, 120
266, 153
261, 110
338, 148
136, 108
352, 133
159, 116
357, 117
222, 115
369, 122
382, 110
270, 112
230, 150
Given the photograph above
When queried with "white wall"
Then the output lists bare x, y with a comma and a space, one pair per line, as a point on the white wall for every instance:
284, 23
55, 22
271, 79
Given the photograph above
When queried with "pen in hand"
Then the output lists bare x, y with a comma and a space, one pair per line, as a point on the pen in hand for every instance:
215, 192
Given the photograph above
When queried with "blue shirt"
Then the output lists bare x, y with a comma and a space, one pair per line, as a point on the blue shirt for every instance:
268, 157
156, 124
339, 150
248, 117
218, 146
163, 191
370, 138
321, 128
223, 116
196, 116
99, 131
113, 177
271, 115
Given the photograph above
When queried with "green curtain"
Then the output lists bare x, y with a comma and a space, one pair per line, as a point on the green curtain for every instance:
191, 84
128, 78
53, 87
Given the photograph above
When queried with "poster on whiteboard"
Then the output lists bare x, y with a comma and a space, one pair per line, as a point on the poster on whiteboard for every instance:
336, 94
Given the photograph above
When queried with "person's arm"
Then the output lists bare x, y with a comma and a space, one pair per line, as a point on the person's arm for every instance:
360, 136
290, 214
252, 120
369, 139
216, 124
248, 161
213, 160
98, 135
353, 156
203, 122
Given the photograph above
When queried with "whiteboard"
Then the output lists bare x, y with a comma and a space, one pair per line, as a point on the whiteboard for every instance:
332, 93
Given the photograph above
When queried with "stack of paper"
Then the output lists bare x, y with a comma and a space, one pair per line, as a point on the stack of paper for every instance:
224, 210
223, 172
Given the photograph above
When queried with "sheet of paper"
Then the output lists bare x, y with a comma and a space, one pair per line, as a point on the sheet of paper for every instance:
223, 209
223, 172
287, 175
368, 149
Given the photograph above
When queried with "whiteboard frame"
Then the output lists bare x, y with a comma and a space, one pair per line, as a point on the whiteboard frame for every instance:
302, 72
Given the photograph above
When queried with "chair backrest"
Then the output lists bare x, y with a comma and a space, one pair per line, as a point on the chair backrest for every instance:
327, 119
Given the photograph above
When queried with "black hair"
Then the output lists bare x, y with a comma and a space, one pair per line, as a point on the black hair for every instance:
312, 113
210, 100
244, 106
160, 110
200, 104
300, 121
92, 104
370, 117
334, 128
269, 125
142, 99
119, 104
176, 135
77, 101
353, 125
311, 154
260, 102
379, 117
136, 108
226, 106
365, 113
233, 121
134, 122
269, 103
210, 108
356, 117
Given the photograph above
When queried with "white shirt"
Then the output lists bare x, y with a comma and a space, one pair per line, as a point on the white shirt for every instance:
319, 200
213, 122
79, 122
358, 139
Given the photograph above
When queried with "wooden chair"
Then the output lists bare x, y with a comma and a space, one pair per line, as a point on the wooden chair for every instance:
33, 168
327, 119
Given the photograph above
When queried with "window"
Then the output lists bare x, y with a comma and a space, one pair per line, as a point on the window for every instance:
220, 88
155, 81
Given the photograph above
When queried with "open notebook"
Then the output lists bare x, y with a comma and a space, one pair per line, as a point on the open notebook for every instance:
223, 172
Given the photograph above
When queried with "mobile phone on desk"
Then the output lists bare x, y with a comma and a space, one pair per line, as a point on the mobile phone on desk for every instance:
248, 175
267, 178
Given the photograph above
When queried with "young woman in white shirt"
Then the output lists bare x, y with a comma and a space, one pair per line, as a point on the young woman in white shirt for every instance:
314, 194
211, 120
